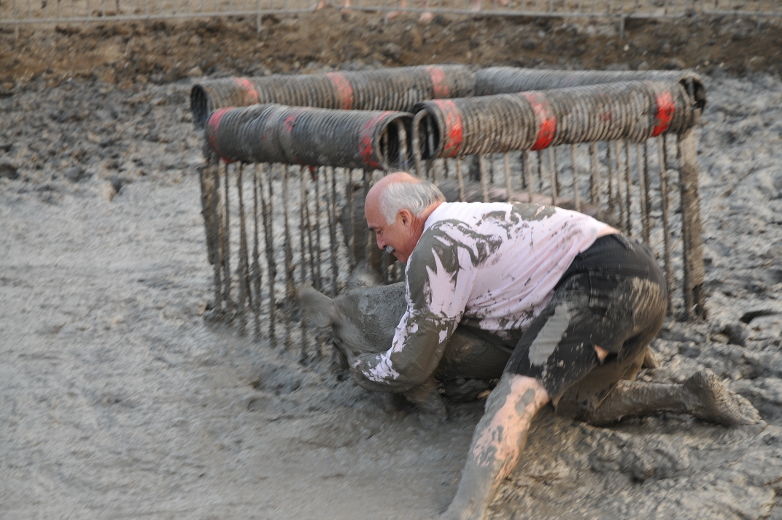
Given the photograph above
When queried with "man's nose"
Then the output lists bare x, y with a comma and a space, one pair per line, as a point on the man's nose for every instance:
380, 243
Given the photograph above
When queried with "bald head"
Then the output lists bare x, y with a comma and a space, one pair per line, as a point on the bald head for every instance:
401, 190
396, 209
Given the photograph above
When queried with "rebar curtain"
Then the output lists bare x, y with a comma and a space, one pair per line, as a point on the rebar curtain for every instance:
615, 150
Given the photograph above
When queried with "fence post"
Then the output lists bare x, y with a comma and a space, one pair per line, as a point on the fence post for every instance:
691, 227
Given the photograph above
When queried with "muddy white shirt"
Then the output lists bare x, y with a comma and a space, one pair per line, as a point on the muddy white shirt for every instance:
489, 265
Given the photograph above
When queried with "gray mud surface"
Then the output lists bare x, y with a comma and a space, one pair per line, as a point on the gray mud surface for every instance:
118, 400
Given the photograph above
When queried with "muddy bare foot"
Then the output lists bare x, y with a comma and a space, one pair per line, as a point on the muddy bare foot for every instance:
717, 403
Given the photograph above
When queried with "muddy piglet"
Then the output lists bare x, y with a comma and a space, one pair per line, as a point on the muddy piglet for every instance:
363, 320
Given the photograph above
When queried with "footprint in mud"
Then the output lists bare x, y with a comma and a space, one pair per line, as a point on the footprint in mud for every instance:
275, 407
337, 434
256, 404
640, 459
277, 380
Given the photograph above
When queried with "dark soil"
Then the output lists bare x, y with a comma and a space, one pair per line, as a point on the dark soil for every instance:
162, 52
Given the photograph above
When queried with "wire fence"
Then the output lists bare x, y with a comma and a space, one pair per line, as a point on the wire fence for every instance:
16, 12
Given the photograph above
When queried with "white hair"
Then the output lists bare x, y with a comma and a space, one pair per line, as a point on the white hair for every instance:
413, 196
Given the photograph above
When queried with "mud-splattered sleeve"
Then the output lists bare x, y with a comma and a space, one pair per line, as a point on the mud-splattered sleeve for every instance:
440, 277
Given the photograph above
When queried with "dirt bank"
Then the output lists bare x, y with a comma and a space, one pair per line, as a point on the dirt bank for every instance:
161, 52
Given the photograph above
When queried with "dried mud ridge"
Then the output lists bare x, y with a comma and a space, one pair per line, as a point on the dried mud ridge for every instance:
119, 400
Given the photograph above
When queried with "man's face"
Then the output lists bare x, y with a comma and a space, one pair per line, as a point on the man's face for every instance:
398, 237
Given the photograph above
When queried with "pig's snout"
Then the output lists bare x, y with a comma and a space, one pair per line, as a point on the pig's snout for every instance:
318, 309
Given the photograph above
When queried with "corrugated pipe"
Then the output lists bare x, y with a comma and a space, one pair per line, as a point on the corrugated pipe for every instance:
310, 136
383, 89
535, 120
504, 80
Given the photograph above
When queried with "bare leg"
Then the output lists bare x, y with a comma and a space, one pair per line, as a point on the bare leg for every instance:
496, 444
702, 395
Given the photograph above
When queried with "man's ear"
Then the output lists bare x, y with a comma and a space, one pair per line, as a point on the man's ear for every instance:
405, 216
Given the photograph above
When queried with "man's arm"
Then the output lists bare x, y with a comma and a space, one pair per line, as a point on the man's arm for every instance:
418, 346
437, 288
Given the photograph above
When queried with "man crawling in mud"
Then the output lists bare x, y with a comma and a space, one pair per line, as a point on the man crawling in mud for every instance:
580, 302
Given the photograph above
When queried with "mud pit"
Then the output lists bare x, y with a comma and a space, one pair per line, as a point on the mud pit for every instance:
119, 400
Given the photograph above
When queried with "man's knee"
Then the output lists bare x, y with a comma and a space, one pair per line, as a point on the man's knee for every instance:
523, 393
582, 399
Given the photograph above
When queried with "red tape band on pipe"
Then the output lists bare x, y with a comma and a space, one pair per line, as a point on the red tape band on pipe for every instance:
439, 85
665, 110
251, 96
288, 124
454, 127
366, 148
213, 125
344, 90
547, 123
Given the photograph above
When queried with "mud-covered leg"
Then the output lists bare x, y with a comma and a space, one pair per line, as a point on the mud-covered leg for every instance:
703, 395
496, 444
637, 399
427, 399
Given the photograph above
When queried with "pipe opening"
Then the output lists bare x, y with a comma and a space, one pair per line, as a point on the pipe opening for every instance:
697, 92
427, 130
390, 145
199, 105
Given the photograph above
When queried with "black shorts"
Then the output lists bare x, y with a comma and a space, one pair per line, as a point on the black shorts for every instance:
613, 295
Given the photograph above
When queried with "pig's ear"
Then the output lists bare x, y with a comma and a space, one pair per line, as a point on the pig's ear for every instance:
318, 309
